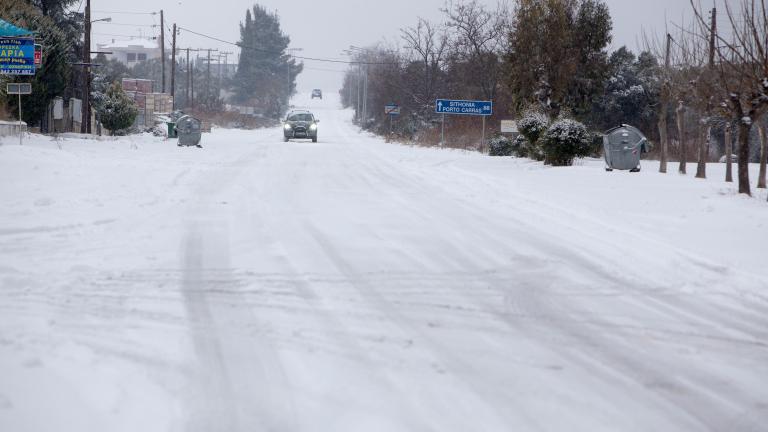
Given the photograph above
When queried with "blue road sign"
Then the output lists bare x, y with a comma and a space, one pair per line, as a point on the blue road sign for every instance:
17, 56
463, 107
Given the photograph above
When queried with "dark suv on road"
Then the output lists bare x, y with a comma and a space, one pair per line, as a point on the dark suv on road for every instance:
317, 93
300, 124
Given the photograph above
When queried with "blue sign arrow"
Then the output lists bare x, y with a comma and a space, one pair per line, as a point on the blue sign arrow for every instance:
464, 107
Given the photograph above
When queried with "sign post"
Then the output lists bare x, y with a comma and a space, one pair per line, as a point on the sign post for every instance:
391, 110
19, 89
463, 107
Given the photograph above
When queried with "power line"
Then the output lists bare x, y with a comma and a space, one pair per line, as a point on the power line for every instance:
317, 59
126, 25
126, 35
124, 13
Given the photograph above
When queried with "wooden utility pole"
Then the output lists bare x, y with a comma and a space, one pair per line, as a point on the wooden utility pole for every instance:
85, 122
173, 68
701, 168
162, 52
189, 80
663, 110
192, 87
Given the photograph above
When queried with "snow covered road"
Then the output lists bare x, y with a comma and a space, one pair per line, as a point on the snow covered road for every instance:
356, 285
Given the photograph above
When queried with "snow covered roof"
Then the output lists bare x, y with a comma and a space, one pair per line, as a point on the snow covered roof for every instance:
132, 43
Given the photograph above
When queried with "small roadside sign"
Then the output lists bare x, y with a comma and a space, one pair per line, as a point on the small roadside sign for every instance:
464, 107
392, 109
18, 88
509, 126
38, 55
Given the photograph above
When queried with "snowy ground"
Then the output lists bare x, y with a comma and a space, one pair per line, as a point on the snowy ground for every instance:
354, 285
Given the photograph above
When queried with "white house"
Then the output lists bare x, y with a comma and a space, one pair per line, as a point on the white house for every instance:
130, 52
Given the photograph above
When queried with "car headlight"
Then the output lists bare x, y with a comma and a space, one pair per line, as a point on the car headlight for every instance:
287, 126
313, 127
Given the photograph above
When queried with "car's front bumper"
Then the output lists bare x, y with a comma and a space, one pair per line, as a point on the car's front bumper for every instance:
300, 133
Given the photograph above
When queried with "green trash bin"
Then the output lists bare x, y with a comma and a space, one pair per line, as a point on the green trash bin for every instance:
172, 130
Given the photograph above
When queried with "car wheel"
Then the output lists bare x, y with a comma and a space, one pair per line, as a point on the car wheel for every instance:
285, 139
314, 139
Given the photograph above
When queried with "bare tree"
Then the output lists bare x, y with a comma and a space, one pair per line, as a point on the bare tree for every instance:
742, 70
728, 153
428, 43
480, 39
763, 156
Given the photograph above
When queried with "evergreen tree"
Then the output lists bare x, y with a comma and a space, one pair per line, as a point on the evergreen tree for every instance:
54, 74
631, 91
115, 109
557, 53
266, 75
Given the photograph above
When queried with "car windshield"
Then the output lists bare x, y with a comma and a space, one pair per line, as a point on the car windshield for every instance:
306, 117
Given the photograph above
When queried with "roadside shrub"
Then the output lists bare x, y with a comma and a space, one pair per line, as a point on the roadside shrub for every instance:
564, 141
520, 146
532, 125
500, 146
115, 109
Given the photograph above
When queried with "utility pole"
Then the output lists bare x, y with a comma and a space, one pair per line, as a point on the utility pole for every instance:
192, 86
365, 98
663, 110
358, 112
208, 78
85, 123
189, 80
208, 91
162, 51
701, 168
173, 68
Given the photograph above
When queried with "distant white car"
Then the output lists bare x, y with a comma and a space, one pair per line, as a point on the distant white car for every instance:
734, 159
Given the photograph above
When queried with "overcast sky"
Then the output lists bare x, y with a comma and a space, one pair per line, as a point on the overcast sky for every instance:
323, 28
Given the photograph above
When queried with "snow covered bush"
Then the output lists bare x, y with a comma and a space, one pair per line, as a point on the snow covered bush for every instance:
520, 146
116, 110
532, 126
500, 146
564, 141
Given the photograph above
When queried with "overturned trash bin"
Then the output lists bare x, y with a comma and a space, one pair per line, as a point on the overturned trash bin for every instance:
188, 131
622, 147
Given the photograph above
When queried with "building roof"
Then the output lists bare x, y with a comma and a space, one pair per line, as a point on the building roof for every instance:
9, 30
132, 43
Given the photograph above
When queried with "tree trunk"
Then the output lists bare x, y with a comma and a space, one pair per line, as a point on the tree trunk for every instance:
744, 128
701, 168
728, 154
680, 117
663, 139
763, 157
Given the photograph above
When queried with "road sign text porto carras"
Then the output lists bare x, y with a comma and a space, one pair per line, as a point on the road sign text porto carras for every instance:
464, 107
